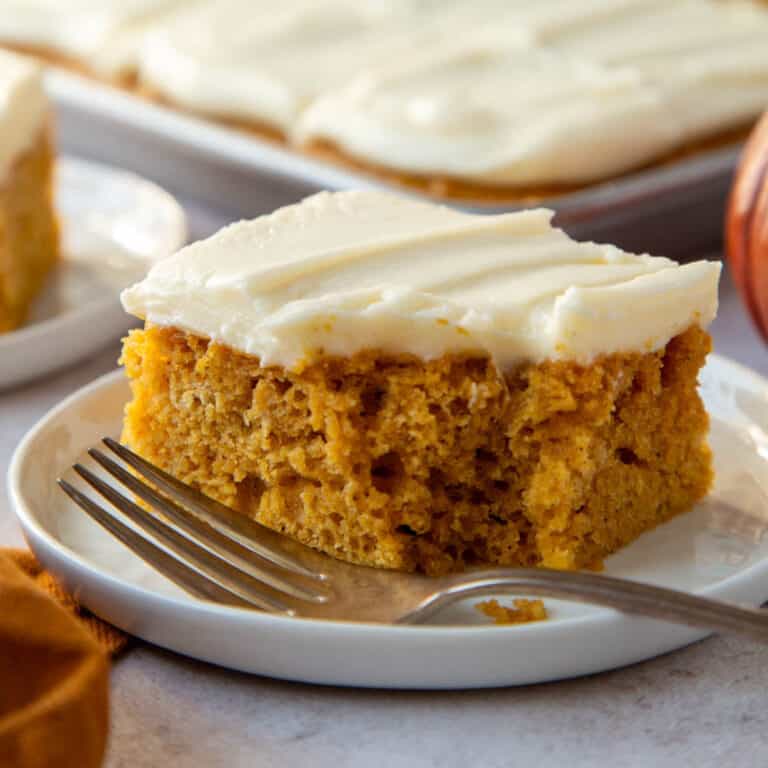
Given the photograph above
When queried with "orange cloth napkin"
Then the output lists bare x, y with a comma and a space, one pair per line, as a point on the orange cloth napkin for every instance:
54, 671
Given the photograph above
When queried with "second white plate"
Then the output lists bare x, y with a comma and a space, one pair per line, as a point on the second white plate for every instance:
114, 225
719, 549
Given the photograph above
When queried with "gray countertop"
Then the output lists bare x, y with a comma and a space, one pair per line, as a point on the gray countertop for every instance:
704, 705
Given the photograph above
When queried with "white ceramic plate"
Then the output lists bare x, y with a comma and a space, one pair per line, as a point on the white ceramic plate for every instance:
114, 225
718, 549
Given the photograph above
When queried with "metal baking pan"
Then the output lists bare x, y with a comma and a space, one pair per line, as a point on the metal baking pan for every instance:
676, 210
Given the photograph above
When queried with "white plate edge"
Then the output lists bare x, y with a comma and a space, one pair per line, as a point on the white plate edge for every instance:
33, 530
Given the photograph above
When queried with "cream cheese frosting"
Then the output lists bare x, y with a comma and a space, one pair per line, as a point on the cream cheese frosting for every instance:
582, 103
709, 61
254, 60
343, 272
104, 34
486, 111
23, 107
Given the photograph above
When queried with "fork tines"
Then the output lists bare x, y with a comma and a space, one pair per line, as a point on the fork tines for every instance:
201, 545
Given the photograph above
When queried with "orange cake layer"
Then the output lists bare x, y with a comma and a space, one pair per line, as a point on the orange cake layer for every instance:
29, 243
398, 462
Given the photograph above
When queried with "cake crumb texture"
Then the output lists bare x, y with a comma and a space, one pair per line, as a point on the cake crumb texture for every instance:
522, 611
397, 462
29, 238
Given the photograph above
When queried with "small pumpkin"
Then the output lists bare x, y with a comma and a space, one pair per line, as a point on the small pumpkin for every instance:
746, 230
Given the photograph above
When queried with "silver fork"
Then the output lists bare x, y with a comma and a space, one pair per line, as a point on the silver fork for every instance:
219, 555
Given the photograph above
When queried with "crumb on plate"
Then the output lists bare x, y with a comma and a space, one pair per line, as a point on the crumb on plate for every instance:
523, 612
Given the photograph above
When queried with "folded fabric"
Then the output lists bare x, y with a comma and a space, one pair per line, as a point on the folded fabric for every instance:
110, 639
54, 672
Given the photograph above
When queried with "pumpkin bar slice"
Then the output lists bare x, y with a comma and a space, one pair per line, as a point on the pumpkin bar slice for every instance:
402, 385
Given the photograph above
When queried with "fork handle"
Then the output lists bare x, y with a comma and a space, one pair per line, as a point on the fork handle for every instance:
626, 596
